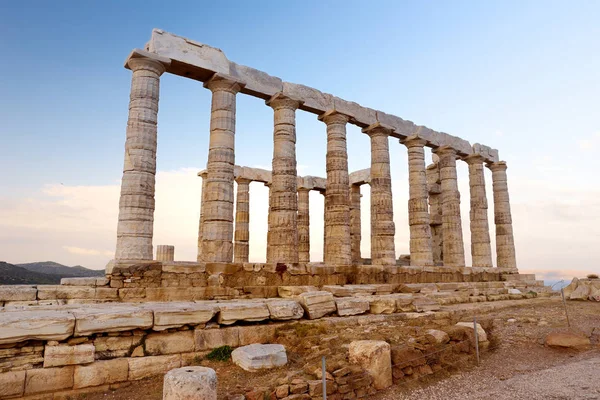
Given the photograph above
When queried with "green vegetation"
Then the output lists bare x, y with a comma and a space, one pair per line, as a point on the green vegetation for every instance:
222, 353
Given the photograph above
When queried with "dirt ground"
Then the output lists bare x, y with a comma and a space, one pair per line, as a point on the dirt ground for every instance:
517, 365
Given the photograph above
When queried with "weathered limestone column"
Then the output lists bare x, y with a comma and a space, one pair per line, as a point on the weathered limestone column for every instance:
454, 253
481, 250
136, 205
337, 211
268, 185
190, 383
217, 229
382, 213
324, 194
241, 247
204, 176
418, 211
283, 218
435, 212
505, 242
165, 252
355, 227
303, 225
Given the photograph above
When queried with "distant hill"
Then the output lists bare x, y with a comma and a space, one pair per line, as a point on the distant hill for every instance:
46, 272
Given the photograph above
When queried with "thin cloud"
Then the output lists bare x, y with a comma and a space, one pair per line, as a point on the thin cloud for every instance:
87, 252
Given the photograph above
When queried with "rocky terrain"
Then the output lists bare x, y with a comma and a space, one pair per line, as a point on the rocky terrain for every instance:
45, 272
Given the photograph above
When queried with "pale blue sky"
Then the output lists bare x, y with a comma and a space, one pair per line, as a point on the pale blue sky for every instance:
520, 76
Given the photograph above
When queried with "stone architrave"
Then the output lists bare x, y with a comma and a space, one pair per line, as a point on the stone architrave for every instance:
355, 226
204, 176
337, 210
165, 252
136, 204
435, 211
505, 242
241, 247
382, 213
454, 254
418, 211
217, 228
303, 225
283, 216
481, 249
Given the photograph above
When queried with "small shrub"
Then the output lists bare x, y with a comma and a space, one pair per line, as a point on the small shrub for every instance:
222, 353
592, 276
532, 293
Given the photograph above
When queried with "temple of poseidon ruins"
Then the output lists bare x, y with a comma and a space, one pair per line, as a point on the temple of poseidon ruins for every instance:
152, 313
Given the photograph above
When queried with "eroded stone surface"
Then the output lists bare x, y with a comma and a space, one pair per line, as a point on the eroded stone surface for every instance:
317, 304
114, 319
57, 356
375, 357
17, 326
283, 310
246, 311
255, 357
190, 383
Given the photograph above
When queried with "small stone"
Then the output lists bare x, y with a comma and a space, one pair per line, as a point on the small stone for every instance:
567, 340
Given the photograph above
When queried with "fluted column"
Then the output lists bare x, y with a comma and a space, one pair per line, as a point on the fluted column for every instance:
324, 194
418, 211
355, 226
337, 211
481, 250
382, 212
454, 253
165, 252
217, 229
505, 242
435, 212
242, 221
303, 225
268, 185
136, 204
204, 176
283, 221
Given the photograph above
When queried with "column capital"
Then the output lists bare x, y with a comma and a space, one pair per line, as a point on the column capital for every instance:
413, 141
140, 59
445, 150
497, 166
242, 181
280, 100
378, 129
226, 83
474, 159
304, 189
203, 174
334, 117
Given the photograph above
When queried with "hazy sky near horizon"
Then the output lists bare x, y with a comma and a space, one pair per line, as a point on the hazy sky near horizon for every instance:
520, 76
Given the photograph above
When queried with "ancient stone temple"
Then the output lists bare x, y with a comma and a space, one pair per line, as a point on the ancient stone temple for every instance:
434, 199
152, 312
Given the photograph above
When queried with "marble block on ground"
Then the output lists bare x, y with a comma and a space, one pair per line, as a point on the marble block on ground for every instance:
255, 357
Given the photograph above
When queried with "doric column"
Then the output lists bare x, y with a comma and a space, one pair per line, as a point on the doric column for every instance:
418, 211
382, 212
165, 252
505, 242
242, 221
283, 219
454, 254
204, 176
337, 211
324, 194
268, 186
217, 229
435, 212
481, 250
303, 225
136, 205
355, 233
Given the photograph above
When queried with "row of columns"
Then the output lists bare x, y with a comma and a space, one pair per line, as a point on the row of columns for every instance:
288, 206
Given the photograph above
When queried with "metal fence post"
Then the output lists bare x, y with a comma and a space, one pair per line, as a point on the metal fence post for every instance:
476, 338
324, 373
562, 292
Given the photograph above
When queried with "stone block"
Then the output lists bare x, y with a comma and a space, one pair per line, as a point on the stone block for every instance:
313, 100
181, 267
85, 281
107, 293
246, 311
382, 304
256, 357
256, 334
48, 379
423, 304
17, 326
117, 318
437, 337
361, 116
173, 315
190, 383
101, 373
293, 291
402, 128
58, 356
317, 304
145, 367
284, 310
51, 292
12, 384
208, 339
351, 306
374, 356
567, 340
102, 281
169, 343
115, 346
17, 293
480, 331
258, 83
